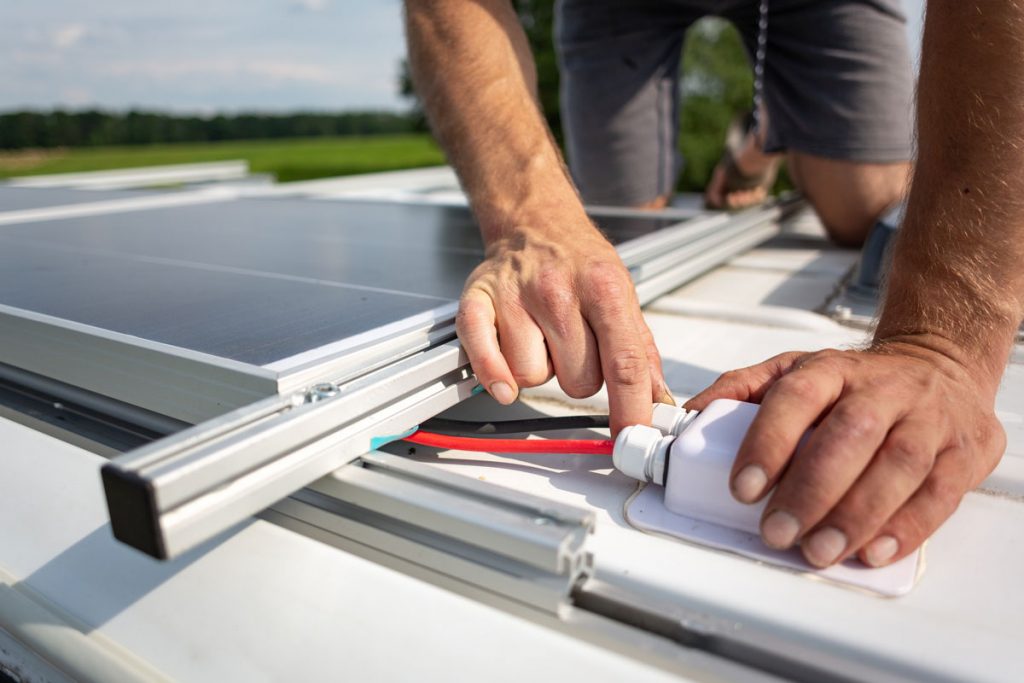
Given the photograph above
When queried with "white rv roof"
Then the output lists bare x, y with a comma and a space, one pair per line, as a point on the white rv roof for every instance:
264, 603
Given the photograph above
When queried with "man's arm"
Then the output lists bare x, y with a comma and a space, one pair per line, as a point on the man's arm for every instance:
552, 294
906, 427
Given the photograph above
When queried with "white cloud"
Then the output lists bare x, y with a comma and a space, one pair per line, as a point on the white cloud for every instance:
271, 71
68, 35
75, 96
230, 54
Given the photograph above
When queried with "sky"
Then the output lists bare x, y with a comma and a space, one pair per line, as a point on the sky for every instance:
209, 55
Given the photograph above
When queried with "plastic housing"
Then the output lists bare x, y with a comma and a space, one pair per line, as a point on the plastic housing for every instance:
699, 464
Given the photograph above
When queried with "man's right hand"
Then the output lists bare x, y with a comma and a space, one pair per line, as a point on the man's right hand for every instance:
562, 305
552, 296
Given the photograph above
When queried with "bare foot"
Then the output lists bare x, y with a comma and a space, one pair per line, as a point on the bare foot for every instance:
751, 163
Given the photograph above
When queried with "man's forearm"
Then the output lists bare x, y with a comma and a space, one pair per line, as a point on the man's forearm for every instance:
957, 276
476, 77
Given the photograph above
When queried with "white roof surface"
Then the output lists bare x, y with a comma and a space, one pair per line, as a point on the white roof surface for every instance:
264, 603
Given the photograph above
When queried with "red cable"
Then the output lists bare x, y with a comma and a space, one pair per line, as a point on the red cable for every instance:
465, 443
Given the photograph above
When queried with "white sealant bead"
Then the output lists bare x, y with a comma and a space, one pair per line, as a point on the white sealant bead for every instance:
641, 453
671, 420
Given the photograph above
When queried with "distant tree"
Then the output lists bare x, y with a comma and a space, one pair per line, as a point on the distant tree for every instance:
538, 19
407, 89
89, 128
716, 86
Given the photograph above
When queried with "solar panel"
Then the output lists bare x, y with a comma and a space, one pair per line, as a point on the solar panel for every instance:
20, 198
252, 280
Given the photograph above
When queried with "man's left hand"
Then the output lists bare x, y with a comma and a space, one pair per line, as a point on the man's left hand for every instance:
900, 433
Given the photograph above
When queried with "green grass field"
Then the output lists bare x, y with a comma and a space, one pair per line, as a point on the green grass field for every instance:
287, 160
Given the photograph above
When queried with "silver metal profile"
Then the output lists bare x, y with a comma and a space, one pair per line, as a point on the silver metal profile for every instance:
675, 268
526, 548
379, 350
172, 495
193, 386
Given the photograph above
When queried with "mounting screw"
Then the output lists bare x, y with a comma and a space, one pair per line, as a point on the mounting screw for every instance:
321, 391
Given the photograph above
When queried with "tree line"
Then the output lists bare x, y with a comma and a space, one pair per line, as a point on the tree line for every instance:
91, 128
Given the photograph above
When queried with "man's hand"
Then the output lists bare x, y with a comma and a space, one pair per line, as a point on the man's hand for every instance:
552, 297
543, 305
900, 433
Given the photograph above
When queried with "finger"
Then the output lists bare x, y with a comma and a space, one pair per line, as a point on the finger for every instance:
902, 462
608, 308
570, 342
660, 392
475, 325
746, 384
522, 344
824, 468
931, 505
790, 407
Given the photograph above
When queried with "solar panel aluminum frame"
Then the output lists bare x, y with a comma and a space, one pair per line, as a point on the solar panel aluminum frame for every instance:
193, 386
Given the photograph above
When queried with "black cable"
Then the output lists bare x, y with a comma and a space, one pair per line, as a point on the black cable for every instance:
530, 426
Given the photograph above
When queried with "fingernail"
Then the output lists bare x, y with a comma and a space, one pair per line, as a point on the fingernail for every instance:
779, 529
749, 483
667, 398
881, 550
502, 392
824, 546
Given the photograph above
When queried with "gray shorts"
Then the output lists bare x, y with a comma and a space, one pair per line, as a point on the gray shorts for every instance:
838, 84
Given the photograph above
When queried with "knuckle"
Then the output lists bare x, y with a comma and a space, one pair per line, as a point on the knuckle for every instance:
854, 422
581, 387
799, 386
992, 434
529, 377
474, 308
553, 290
627, 366
529, 372
466, 318
730, 377
607, 284
946, 493
909, 457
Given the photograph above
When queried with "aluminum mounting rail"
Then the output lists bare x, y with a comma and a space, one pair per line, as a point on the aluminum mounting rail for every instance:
177, 492
425, 521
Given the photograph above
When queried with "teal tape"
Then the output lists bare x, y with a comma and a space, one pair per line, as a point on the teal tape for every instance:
477, 389
378, 441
